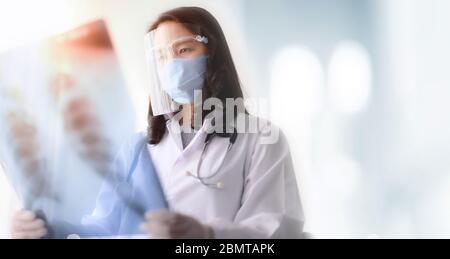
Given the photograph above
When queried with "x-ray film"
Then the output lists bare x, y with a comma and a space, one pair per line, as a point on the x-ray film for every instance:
61, 101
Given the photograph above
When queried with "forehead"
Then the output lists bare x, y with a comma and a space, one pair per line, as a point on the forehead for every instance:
170, 31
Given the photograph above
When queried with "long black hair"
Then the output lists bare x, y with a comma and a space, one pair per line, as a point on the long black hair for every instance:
222, 80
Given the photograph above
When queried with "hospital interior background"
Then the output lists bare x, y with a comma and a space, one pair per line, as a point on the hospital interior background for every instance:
360, 87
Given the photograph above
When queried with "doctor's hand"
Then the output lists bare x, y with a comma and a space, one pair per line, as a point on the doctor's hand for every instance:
26, 225
170, 225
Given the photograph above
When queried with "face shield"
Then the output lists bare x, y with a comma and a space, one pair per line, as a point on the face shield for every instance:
174, 58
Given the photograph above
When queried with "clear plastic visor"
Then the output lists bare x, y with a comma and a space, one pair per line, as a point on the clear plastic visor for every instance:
161, 48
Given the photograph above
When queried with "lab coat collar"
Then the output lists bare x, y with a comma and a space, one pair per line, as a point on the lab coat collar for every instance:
174, 130
207, 123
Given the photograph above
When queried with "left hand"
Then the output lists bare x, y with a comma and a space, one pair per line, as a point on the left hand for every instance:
171, 225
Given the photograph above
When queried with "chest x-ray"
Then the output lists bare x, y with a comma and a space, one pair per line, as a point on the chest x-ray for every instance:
60, 104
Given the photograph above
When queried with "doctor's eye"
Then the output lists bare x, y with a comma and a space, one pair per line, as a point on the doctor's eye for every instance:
184, 51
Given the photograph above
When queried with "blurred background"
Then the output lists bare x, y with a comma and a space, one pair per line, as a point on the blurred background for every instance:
360, 87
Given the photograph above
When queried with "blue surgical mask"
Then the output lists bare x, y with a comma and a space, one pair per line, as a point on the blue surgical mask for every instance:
181, 77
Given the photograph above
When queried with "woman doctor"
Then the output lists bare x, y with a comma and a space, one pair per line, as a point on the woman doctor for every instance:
220, 180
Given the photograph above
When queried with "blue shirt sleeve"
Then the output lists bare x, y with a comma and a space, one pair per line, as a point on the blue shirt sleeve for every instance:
110, 207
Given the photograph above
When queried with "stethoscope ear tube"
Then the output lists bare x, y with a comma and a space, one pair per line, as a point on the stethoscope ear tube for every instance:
233, 137
209, 137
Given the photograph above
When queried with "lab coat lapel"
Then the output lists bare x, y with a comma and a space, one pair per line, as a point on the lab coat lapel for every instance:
174, 129
174, 133
199, 140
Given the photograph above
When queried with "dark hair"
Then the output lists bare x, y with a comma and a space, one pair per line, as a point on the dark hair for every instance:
222, 80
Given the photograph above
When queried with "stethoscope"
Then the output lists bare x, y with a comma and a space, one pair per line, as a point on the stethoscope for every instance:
204, 179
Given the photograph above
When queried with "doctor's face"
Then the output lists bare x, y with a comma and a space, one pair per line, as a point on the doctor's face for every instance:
174, 40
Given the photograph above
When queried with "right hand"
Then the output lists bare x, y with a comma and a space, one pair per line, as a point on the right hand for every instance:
26, 225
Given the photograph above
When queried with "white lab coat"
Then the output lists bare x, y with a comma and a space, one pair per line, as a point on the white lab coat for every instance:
259, 198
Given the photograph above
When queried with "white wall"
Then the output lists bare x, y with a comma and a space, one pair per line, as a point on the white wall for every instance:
417, 58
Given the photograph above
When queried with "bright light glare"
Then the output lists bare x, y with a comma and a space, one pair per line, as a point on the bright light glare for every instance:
23, 21
341, 176
334, 187
297, 81
350, 77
